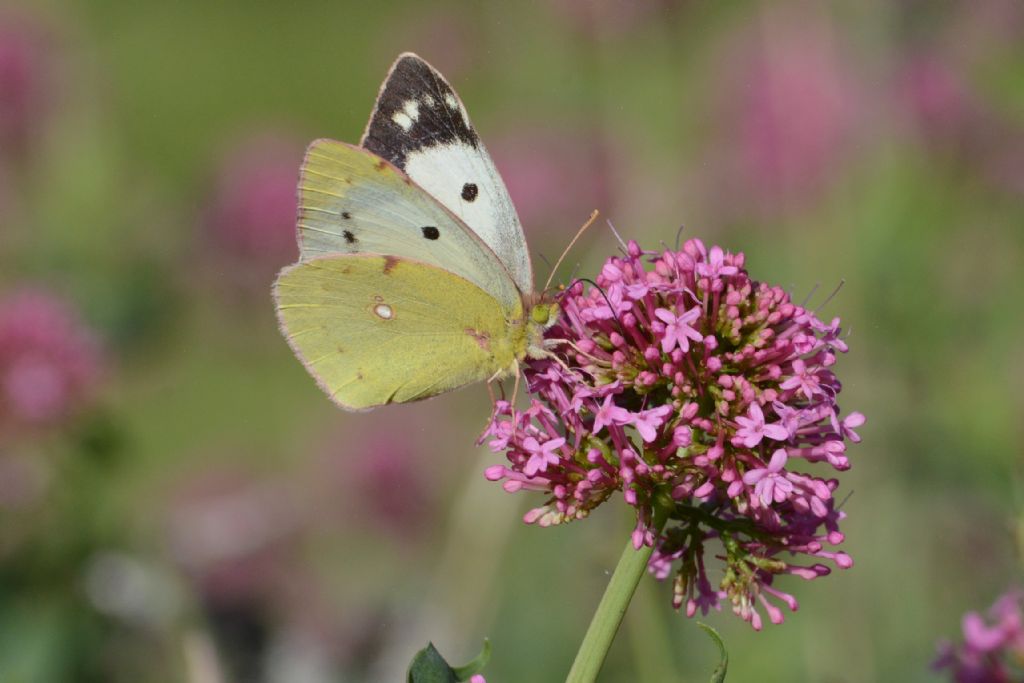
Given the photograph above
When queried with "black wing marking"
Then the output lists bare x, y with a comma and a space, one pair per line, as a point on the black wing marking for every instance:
416, 109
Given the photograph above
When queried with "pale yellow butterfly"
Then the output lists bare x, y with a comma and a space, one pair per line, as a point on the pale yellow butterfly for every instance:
413, 276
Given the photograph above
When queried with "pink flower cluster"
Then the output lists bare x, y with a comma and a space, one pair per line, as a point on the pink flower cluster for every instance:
787, 112
704, 397
28, 90
989, 654
49, 361
252, 214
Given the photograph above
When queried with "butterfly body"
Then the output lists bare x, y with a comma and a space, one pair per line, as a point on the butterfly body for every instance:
413, 277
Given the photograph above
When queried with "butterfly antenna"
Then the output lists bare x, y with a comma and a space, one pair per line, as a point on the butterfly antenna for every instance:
572, 283
590, 221
810, 295
604, 296
679, 233
830, 296
615, 232
575, 270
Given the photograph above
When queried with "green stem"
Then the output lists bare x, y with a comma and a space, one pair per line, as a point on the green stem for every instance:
611, 609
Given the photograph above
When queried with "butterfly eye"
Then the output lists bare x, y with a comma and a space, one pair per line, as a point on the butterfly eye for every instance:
544, 315
470, 191
430, 232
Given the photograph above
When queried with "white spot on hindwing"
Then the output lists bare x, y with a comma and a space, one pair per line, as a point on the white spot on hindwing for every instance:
429, 100
384, 312
450, 100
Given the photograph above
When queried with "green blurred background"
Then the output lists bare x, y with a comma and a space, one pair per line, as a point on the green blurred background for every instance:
179, 502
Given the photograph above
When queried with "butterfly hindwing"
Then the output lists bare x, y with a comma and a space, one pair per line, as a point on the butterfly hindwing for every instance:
353, 202
378, 329
420, 125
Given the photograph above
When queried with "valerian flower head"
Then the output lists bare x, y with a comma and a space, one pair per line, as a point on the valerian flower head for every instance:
990, 653
705, 398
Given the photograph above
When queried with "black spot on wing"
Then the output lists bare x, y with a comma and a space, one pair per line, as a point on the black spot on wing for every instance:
438, 117
430, 232
470, 191
346, 215
350, 237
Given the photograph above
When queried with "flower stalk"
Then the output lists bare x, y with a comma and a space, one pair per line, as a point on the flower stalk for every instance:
612, 608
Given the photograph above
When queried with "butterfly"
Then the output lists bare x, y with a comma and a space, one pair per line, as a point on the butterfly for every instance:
413, 276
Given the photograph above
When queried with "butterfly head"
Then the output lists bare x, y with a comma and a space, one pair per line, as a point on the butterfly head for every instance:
544, 314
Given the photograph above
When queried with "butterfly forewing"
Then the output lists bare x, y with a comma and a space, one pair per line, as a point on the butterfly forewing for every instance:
420, 125
352, 201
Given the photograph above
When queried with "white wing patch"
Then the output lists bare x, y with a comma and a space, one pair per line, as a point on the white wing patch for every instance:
420, 125
408, 116
467, 183
412, 109
402, 119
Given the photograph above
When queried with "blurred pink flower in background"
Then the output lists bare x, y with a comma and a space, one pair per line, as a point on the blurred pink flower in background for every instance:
991, 652
556, 175
50, 362
981, 31
27, 79
390, 487
250, 221
978, 128
242, 541
380, 478
951, 118
936, 96
611, 18
785, 113
232, 534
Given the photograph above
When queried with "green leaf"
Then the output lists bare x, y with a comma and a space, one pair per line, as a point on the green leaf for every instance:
467, 670
718, 675
428, 666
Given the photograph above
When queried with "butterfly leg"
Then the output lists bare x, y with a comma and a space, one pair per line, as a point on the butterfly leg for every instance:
490, 389
494, 402
552, 343
551, 355
515, 387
